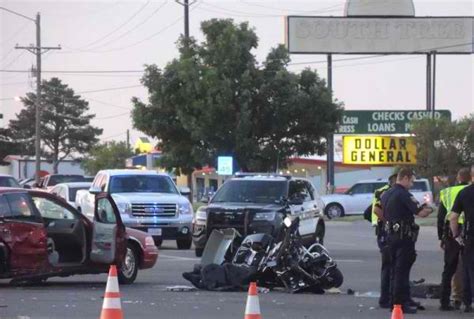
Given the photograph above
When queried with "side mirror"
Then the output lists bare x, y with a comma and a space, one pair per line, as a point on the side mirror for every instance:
95, 190
26, 186
185, 191
204, 200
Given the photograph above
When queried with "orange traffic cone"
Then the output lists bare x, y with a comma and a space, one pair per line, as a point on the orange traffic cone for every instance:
252, 310
397, 312
112, 308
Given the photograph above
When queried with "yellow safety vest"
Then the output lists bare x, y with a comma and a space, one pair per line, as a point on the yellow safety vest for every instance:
376, 200
448, 196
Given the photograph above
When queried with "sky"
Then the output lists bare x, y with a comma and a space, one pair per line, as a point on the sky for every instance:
108, 35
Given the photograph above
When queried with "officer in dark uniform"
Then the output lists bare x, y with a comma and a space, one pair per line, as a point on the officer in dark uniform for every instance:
378, 223
399, 210
465, 203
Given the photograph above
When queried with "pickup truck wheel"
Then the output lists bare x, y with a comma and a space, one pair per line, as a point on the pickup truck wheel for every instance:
184, 243
129, 270
334, 210
198, 252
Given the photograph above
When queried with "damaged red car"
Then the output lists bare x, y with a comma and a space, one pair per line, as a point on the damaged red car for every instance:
42, 236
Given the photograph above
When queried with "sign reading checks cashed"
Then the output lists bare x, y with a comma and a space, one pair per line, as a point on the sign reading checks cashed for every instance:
379, 150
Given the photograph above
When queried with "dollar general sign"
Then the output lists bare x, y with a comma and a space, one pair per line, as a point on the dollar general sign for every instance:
379, 150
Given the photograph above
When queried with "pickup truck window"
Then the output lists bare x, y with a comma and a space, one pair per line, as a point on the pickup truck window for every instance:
141, 184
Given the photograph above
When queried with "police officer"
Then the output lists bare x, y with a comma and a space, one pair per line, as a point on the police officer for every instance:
399, 208
464, 203
451, 247
378, 223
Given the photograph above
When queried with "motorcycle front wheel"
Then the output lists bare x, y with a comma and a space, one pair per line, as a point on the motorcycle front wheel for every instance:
333, 279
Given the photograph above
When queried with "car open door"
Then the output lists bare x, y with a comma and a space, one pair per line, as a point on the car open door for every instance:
23, 233
108, 239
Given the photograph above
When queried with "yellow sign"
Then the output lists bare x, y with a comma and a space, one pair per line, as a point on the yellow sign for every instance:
379, 150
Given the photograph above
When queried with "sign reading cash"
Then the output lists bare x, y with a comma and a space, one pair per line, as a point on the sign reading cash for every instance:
384, 122
379, 150
369, 35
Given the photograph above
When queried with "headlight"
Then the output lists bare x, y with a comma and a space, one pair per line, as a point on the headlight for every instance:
201, 215
264, 216
185, 209
149, 241
124, 208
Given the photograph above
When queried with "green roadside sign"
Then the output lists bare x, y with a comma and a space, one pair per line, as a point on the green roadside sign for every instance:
384, 122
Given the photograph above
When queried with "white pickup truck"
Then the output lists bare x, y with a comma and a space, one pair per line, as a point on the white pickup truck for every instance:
147, 201
359, 196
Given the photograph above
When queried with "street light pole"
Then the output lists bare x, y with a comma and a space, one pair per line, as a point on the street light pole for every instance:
38, 50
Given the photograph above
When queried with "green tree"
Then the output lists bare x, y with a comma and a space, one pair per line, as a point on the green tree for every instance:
443, 146
215, 99
65, 124
108, 155
8, 145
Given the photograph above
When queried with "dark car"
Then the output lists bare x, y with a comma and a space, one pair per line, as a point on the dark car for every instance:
8, 181
258, 203
42, 236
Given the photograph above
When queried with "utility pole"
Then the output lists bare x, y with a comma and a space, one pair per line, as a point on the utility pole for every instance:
128, 140
330, 139
186, 5
38, 50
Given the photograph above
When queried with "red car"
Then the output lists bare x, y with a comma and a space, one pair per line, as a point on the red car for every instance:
42, 236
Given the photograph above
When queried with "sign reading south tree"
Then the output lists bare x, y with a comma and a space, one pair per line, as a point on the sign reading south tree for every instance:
384, 122
379, 150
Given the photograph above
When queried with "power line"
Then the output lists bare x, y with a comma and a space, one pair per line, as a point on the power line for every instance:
174, 22
76, 71
111, 89
112, 116
15, 34
322, 10
15, 59
112, 136
134, 28
107, 103
117, 28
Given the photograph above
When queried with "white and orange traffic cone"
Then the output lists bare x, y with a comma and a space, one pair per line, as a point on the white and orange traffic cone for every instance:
112, 308
252, 310
397, 312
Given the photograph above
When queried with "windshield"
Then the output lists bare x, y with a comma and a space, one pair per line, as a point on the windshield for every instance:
56, 179
265, 192
142, 184
73, 192
6, 181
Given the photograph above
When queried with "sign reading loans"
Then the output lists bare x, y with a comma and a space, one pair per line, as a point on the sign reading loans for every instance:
384, 122
379, 150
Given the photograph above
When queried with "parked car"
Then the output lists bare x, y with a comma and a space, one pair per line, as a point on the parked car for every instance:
51, 180
147, 200
42, 236
68, 191
8, 181
357, 198
27, 183
258, 203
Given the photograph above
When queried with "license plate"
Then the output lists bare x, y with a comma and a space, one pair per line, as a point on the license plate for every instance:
154, 231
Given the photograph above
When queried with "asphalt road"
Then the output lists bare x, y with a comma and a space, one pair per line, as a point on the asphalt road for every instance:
352, 244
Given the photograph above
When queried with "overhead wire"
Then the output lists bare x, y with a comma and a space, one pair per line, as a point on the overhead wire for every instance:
117, 28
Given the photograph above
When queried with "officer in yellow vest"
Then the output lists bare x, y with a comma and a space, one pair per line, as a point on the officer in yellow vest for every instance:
377, 222
451, 247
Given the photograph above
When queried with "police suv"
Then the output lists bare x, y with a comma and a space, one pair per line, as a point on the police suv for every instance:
258, 203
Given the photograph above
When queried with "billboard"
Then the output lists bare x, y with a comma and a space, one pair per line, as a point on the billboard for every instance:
366, 35
379, 150
383, 121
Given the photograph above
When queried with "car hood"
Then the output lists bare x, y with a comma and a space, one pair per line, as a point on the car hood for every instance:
243, 206
149, 198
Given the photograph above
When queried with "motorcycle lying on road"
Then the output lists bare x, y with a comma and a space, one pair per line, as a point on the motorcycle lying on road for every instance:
283, 262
